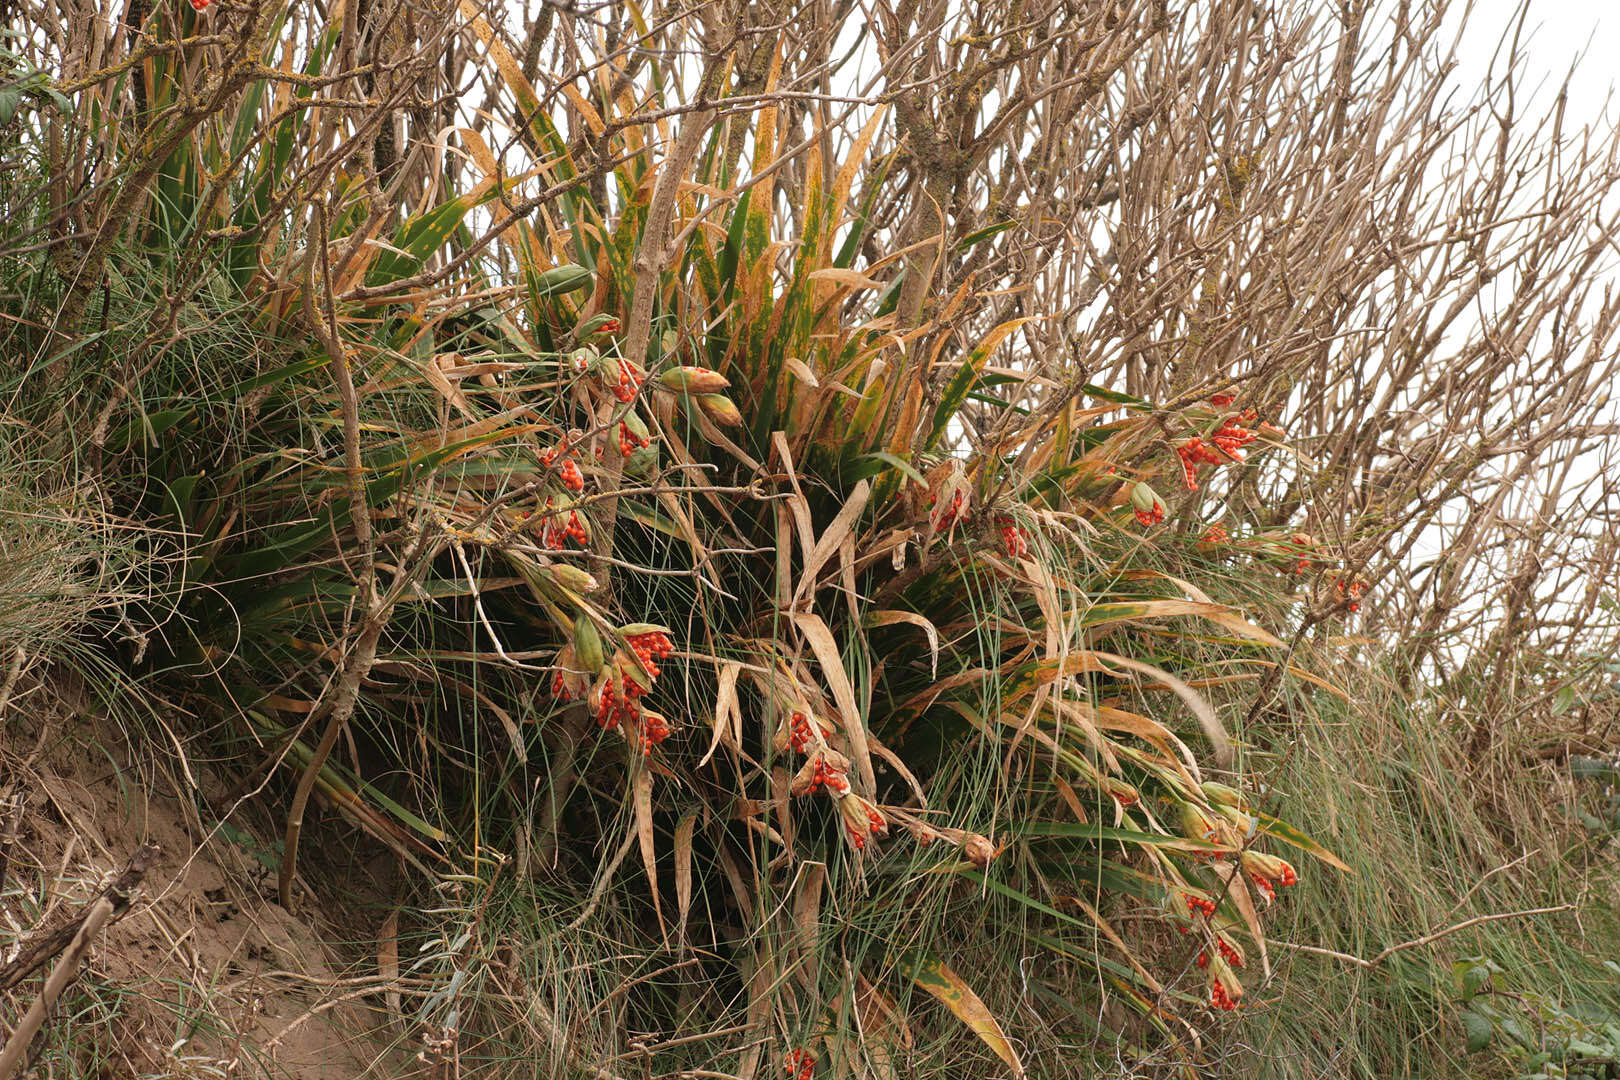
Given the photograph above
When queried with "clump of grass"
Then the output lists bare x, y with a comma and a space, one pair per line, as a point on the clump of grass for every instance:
74, 576
1379, 781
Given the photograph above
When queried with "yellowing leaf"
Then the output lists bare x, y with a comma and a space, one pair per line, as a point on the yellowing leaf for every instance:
1237, 891
1217, 735
644, 835
1133, 610
828, 542
832, 670
804, 372
854, 279
948, 988
1286, 832
683, 872
889, 618
725, 708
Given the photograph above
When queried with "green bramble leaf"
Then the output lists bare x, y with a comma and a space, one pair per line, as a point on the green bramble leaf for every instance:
1478, 1031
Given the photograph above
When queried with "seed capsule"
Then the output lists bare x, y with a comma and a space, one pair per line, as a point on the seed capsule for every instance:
1222, 794
562, 279
636, 629
979, 849
1269, 868
587, 643
720, 409
693, 380
573, 578
637, 428
599, 324
1196, 825
1147, 505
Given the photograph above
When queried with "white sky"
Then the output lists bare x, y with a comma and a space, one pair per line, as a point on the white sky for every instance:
1558, 35
1558, 31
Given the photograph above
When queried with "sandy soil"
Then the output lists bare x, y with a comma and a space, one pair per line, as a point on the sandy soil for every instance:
206, 975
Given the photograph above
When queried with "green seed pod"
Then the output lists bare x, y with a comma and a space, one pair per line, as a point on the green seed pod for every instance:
598, 324
1222, 795
573, 578
562, 279
643, 464
693, 380
1144, 498
607, 368
637, 427
720, 409
1196, 825
587, 643
636, 629
1242, 824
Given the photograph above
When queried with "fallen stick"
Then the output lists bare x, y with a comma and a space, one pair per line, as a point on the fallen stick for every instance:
1426, 939
75, 939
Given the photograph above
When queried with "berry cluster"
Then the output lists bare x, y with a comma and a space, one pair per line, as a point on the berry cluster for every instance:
572, 478
799, 733
622, 690
1219, 998
654, 730
861, 820
618, 705
1267, 886
953, 514
1121, 792
1232, 437
800, 1065
1215, 534
1015, 539
1152, 516
629, 441
1197, 905
609, 327
650, 647
1268, 871
1226, 444
555, 535
829, 776
1193, 453
629, 380
1300, 544
615, 698
1352, 591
